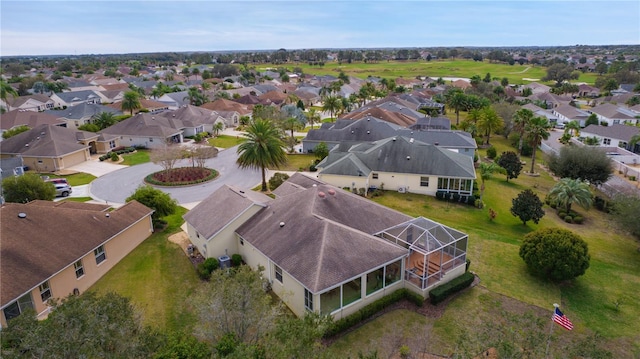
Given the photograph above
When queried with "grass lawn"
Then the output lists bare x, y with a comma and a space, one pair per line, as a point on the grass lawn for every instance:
225, 141
297, 161
77, 199
76, 179
158, 278
136, 158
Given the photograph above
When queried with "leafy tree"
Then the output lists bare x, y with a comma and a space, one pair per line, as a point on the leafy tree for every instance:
610, 85
560, 73
487, 78
555, 253
504, 82
511, 163
27, 188
568, 191
321, 151
592, 120
90, 127
6, 90
277, 179
131, 101
626, 209
537, 129
162, 203
586, 163
15, 130
635, 100
527, 206
262, 148
572, 128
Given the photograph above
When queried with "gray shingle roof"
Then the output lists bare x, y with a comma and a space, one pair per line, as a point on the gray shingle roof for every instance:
32, 119
146, 124
46, 141
83, 110
617, 131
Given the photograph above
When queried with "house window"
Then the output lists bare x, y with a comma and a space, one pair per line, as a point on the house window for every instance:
112, 144
278, 273
606, 141
241, 241
622, 144
45, 291
375, 176
79, 268
100, 254
150, 139
14, 309
308, 300
424, 181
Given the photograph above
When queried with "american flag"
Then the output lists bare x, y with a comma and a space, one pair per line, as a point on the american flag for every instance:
561, 319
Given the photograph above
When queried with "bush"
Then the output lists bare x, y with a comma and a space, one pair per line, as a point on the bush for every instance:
471, 200
632, 178
312, 168
114, 157
601, 204
440, 293
236, 260
455, 197
555, 253
277, 179
491, 152
440, 195
562, 214
578, 219
568, 219
207, 267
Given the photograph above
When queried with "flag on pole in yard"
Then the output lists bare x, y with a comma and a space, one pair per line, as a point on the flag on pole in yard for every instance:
561, 319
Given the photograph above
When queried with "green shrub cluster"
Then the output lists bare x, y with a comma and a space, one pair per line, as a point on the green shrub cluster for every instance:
492, 152
120, 151
207, 267
601, 204
370, 310
440, 293
236, 260
456, 197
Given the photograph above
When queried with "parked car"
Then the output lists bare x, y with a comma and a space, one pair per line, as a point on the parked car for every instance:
57, 181
63, 190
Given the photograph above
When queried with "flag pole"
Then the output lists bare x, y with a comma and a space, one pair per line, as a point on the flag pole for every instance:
546, 352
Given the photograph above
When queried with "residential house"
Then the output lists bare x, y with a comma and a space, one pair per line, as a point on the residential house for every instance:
50, 148
68, 99
461, 84
146, 105
367, 129
230, 110
536, 88
55, 249
194, 119
568, 113
551, 100
614, 114
147, 130
617, 135
276, 98
36, 103
585, 90
111, 96
174, 100
326, 250
82, 114
32, 119
398, 163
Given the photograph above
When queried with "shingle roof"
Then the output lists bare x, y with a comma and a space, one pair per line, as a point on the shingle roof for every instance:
51, 238
32, 119
75, 96
610, 110
222, 206
83, 110
146, 124
46, 141
324, 241
617, 131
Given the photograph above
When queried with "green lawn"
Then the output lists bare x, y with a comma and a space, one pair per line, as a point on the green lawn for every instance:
76, 179
446, 68
77, 199
136, 158
295, 162
225, 141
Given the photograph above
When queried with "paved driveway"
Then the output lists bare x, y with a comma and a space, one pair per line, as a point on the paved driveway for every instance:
116, 186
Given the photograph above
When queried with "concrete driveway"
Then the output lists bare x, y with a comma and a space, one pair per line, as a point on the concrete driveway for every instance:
96, 167
115, 186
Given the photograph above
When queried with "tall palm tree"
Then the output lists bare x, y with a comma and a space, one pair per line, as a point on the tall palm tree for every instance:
219, 126
313, 116
537, 129
488, 122
520, 120
131, 101
458, 101
262, 148
569, 191
6, 90
104, 119
332, 104
572, 128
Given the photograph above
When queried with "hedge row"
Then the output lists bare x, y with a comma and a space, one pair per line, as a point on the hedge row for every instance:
456, 197
440, 293
370, 310
108, 155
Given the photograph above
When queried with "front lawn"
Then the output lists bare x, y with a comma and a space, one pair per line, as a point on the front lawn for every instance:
297, 162
76, 179
225, 141
135, 158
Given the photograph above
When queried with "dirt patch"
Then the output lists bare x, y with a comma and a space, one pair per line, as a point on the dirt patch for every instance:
182, 240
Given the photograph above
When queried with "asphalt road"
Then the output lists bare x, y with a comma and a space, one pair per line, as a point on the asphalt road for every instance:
116, 186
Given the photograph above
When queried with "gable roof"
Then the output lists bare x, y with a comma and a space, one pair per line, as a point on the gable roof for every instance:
14, 118
617, 131
146, 124
397, 155
324, 240
46, 141
227, 105
39, 98
610, 110
221, 207
83, 110
61, 235
75, 96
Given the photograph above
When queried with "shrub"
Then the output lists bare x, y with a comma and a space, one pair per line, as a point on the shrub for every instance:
568, 219
491, 152
456, 197
578, 219
555, 253
632, 178
562, 214
471, 200
277, 179
479, 204
207, 267
312, 168
114, 157
601, 204
440, 293
440, 195
236, 260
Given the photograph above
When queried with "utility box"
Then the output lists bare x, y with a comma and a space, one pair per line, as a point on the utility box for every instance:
225, 261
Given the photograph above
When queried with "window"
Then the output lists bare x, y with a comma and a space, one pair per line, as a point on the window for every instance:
424, 181
16, 308
622, 144
241, 241
112, 144
606, 141
278, 273
79, 268
375, 175
100, 254
45, 291
308, 300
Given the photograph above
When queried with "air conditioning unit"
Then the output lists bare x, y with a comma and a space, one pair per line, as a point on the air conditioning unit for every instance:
402, 189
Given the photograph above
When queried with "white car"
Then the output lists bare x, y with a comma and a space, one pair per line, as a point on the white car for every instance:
63, 190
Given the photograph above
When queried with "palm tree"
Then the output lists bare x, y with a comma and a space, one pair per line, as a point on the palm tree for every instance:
313, 117
219, 126
486, 170
6, 90
520, 120
104, 119
489, 121
131, 101
262, 148
331, 104
537, 129
569, 191
196, 97
635, 139
458, 101
572, 128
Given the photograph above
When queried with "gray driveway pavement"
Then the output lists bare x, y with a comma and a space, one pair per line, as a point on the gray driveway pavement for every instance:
116, 186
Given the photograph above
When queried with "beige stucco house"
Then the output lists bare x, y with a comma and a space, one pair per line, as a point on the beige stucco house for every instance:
54, 249
324, 249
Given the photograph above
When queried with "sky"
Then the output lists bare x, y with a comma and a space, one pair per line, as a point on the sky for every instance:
77, 27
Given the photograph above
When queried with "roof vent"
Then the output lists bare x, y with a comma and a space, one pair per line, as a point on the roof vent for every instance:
314, 185
368, 132
321, 195
352, 131
411, 140
241, 191
281, 224
107, 215
394, 139
436, 143
26, 145
408, 157
22, 215
332, 192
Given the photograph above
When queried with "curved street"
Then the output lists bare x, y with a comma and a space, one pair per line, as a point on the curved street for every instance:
116, 186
